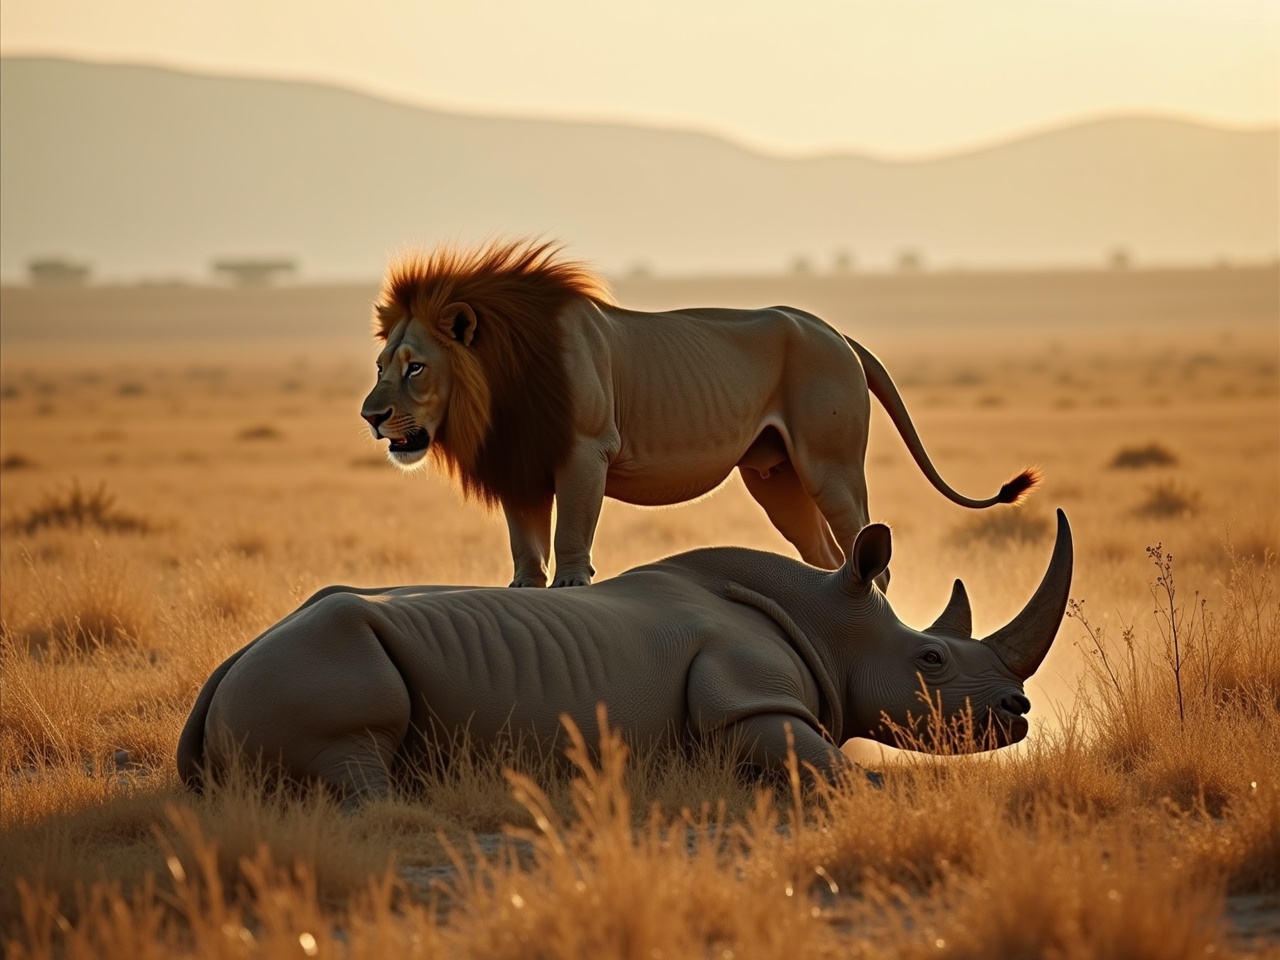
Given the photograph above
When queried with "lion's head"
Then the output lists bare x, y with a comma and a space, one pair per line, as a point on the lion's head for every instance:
409, 402
472, 366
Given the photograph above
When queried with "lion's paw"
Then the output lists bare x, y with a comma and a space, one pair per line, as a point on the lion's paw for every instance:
538, 583
572, 580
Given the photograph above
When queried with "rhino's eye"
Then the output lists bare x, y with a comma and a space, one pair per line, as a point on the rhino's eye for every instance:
413, 369
933, 658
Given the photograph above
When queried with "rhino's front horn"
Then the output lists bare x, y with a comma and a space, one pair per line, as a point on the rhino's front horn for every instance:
1023, 642
956, 620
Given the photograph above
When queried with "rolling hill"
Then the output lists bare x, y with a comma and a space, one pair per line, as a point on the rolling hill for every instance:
149, 172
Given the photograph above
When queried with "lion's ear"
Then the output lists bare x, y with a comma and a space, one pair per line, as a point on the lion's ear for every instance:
458, 320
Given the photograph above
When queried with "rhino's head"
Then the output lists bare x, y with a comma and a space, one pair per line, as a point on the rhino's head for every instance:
968, 681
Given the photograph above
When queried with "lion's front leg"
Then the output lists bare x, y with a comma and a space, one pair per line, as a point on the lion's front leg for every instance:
579, 497
530, 530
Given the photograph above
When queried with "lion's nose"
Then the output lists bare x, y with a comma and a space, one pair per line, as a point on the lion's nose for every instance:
376, 419
1016, 703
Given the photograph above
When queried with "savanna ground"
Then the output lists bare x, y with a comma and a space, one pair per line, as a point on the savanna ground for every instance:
168, 497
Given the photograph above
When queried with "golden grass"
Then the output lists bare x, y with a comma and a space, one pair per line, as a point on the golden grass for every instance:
1117, 829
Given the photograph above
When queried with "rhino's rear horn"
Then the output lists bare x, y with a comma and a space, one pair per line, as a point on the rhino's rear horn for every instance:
1024, 642
956, 620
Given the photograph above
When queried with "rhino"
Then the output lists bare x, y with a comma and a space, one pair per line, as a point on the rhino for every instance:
722, 640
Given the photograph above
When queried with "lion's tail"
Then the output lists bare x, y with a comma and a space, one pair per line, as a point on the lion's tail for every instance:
192, 768
884, 390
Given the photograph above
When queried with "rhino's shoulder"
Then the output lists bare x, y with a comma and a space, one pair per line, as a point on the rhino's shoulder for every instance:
750, 673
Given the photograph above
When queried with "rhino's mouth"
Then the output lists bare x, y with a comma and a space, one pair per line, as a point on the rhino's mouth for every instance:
1009, 727
410, 448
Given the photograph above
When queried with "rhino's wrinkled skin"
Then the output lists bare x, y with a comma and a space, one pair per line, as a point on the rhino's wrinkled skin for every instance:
720, 639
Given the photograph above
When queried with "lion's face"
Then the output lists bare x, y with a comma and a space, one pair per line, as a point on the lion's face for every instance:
411, 397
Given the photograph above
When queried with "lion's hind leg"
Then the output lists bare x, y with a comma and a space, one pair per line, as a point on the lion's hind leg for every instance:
794, 513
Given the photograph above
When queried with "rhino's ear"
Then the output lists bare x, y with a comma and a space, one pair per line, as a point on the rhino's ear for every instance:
872, 549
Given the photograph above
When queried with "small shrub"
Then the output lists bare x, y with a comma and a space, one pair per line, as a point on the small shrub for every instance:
1168, 500
262, 432
248, 545
83, 602
76, 509
131, 389
16, 461
1001, 528
1139, 458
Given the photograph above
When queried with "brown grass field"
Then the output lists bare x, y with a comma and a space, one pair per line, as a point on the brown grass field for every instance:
171, 487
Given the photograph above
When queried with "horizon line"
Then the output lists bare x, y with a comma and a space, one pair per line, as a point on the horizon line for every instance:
746, 144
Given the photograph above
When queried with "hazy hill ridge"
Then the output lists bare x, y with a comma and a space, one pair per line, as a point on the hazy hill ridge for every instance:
148, 171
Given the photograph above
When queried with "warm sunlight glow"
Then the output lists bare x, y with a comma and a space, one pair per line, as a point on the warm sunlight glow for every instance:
894, 79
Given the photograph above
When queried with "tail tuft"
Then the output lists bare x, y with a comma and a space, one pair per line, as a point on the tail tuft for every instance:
1019, 488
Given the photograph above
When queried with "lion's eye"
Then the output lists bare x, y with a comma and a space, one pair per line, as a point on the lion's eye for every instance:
932, 657
413, 369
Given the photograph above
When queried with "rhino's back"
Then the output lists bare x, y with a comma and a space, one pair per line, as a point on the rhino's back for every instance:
489, 659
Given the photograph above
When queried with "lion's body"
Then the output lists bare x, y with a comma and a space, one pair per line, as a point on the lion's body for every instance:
648, 408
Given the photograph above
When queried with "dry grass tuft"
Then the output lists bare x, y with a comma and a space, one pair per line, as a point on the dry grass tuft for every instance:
260, 432
76, 509
1168, 500
93, 604
16, 461
1138, 458
249, 545
1002, 527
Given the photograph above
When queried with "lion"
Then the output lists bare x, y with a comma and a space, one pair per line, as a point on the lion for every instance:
514, 368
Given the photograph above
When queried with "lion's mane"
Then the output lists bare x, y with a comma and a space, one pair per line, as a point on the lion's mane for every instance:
508, 427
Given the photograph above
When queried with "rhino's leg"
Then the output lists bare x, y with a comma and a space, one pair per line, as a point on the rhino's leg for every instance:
794, 513
320, 694
530, 531
764, 738
356, 768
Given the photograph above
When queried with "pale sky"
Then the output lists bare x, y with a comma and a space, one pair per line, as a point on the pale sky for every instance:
896, 78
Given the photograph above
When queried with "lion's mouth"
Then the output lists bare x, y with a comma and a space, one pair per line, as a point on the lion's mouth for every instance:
415, 441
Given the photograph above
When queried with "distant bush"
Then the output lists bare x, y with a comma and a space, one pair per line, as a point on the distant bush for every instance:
259, 433
1167, 500
77, 509
1138, 458
16, 461
1002, 527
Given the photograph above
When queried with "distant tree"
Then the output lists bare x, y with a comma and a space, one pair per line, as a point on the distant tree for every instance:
910, 261
253, 272
842, 262
56, 272
639, 271
801, 266
1120, 259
